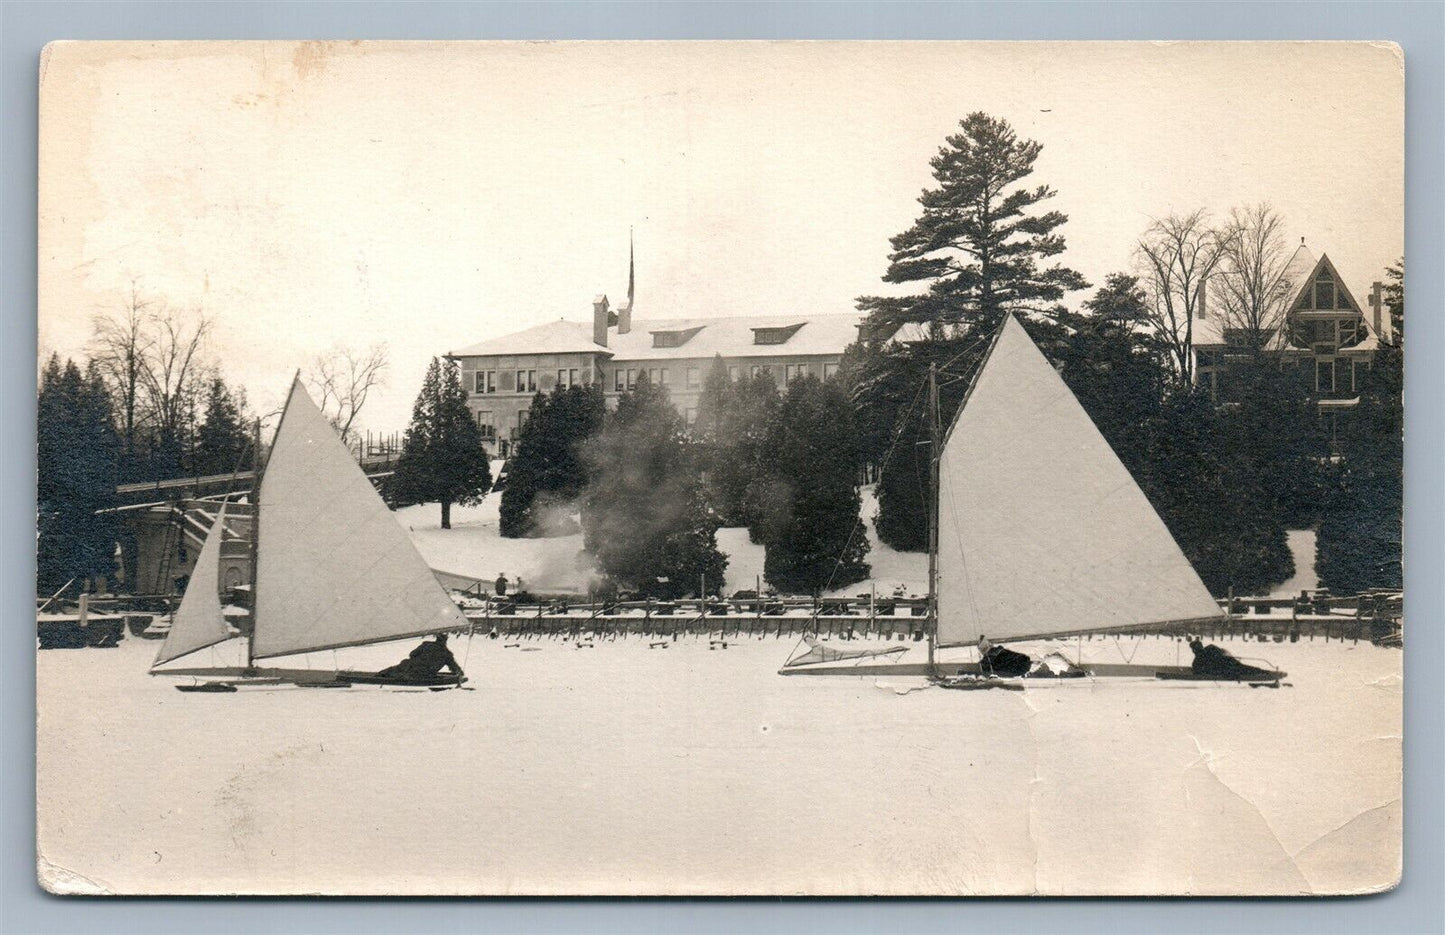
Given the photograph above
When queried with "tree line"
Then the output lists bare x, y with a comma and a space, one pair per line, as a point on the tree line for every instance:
149, 402
1227, 475
1228, 479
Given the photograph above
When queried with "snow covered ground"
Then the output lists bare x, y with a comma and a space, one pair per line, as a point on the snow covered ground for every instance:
622, 769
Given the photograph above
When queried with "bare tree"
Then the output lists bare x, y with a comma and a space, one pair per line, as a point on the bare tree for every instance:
172, 374
342, 379
1253, 290
1177, 255
120, 345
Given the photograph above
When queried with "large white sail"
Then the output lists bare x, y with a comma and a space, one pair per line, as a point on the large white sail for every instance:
198, 622
334, 567
1042, 531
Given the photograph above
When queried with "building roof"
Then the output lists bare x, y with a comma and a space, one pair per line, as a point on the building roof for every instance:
729, 337
555, 337
735, 337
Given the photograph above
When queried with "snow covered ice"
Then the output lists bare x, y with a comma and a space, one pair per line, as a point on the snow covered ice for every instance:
617, 768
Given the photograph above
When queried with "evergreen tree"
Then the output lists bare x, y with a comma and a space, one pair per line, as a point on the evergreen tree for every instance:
732, 429
223, 443
76, 476
809, 523
979, 241
645, 516
890, 406
1359, 541
548, 471
980, 245
442, 458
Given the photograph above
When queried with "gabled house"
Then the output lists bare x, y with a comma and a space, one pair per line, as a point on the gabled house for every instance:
1320, 332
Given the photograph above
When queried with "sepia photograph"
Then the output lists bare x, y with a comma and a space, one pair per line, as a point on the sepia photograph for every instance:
764, 468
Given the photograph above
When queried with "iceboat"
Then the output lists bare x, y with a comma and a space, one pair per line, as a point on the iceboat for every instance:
1038, 532
331, 568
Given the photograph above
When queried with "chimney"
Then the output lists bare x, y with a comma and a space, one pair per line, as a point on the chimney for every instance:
624, 317
1377, 307
1201, 305
599, 320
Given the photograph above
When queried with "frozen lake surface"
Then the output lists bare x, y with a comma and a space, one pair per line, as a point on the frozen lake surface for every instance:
622, 769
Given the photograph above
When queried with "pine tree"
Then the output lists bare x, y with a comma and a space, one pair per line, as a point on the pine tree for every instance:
76, 476
645, 516
808, 519
548, 472
978, 243
222, 442
442, 458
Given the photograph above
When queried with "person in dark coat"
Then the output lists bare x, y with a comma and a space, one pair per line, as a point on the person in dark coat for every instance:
501, 585
1213, 662
426, 661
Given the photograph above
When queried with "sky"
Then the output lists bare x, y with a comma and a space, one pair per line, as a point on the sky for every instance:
307, 196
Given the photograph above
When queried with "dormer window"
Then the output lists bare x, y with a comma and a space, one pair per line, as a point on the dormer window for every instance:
674, 338
775, 335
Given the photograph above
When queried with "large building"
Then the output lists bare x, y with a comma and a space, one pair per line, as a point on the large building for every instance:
503, 374
1323, 334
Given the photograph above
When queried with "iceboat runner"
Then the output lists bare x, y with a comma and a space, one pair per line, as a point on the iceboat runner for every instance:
1038, 532
331, 568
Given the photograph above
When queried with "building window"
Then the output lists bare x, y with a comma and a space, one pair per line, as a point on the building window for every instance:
693, 376
621, 380
486, 381
830, 371
631, 378
733, 374
1324, 292
572, 376
662, 376
526, 381
1324, 376
486, 421
792, 372
775, 335
691, 415
522, 418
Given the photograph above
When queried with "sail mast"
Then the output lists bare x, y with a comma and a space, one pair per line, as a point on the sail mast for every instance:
255, 530
933, 458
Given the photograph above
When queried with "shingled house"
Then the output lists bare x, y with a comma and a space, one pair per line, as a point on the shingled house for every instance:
502, 374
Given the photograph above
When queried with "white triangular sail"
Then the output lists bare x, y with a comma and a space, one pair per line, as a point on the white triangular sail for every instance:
1042, 531
198, 622
334, 567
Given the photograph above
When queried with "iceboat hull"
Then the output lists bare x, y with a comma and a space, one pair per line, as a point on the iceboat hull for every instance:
236, 676
1089, 670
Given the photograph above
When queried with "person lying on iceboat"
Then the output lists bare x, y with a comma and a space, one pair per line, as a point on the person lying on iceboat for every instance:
1214, 662
1004, 663
426, 661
